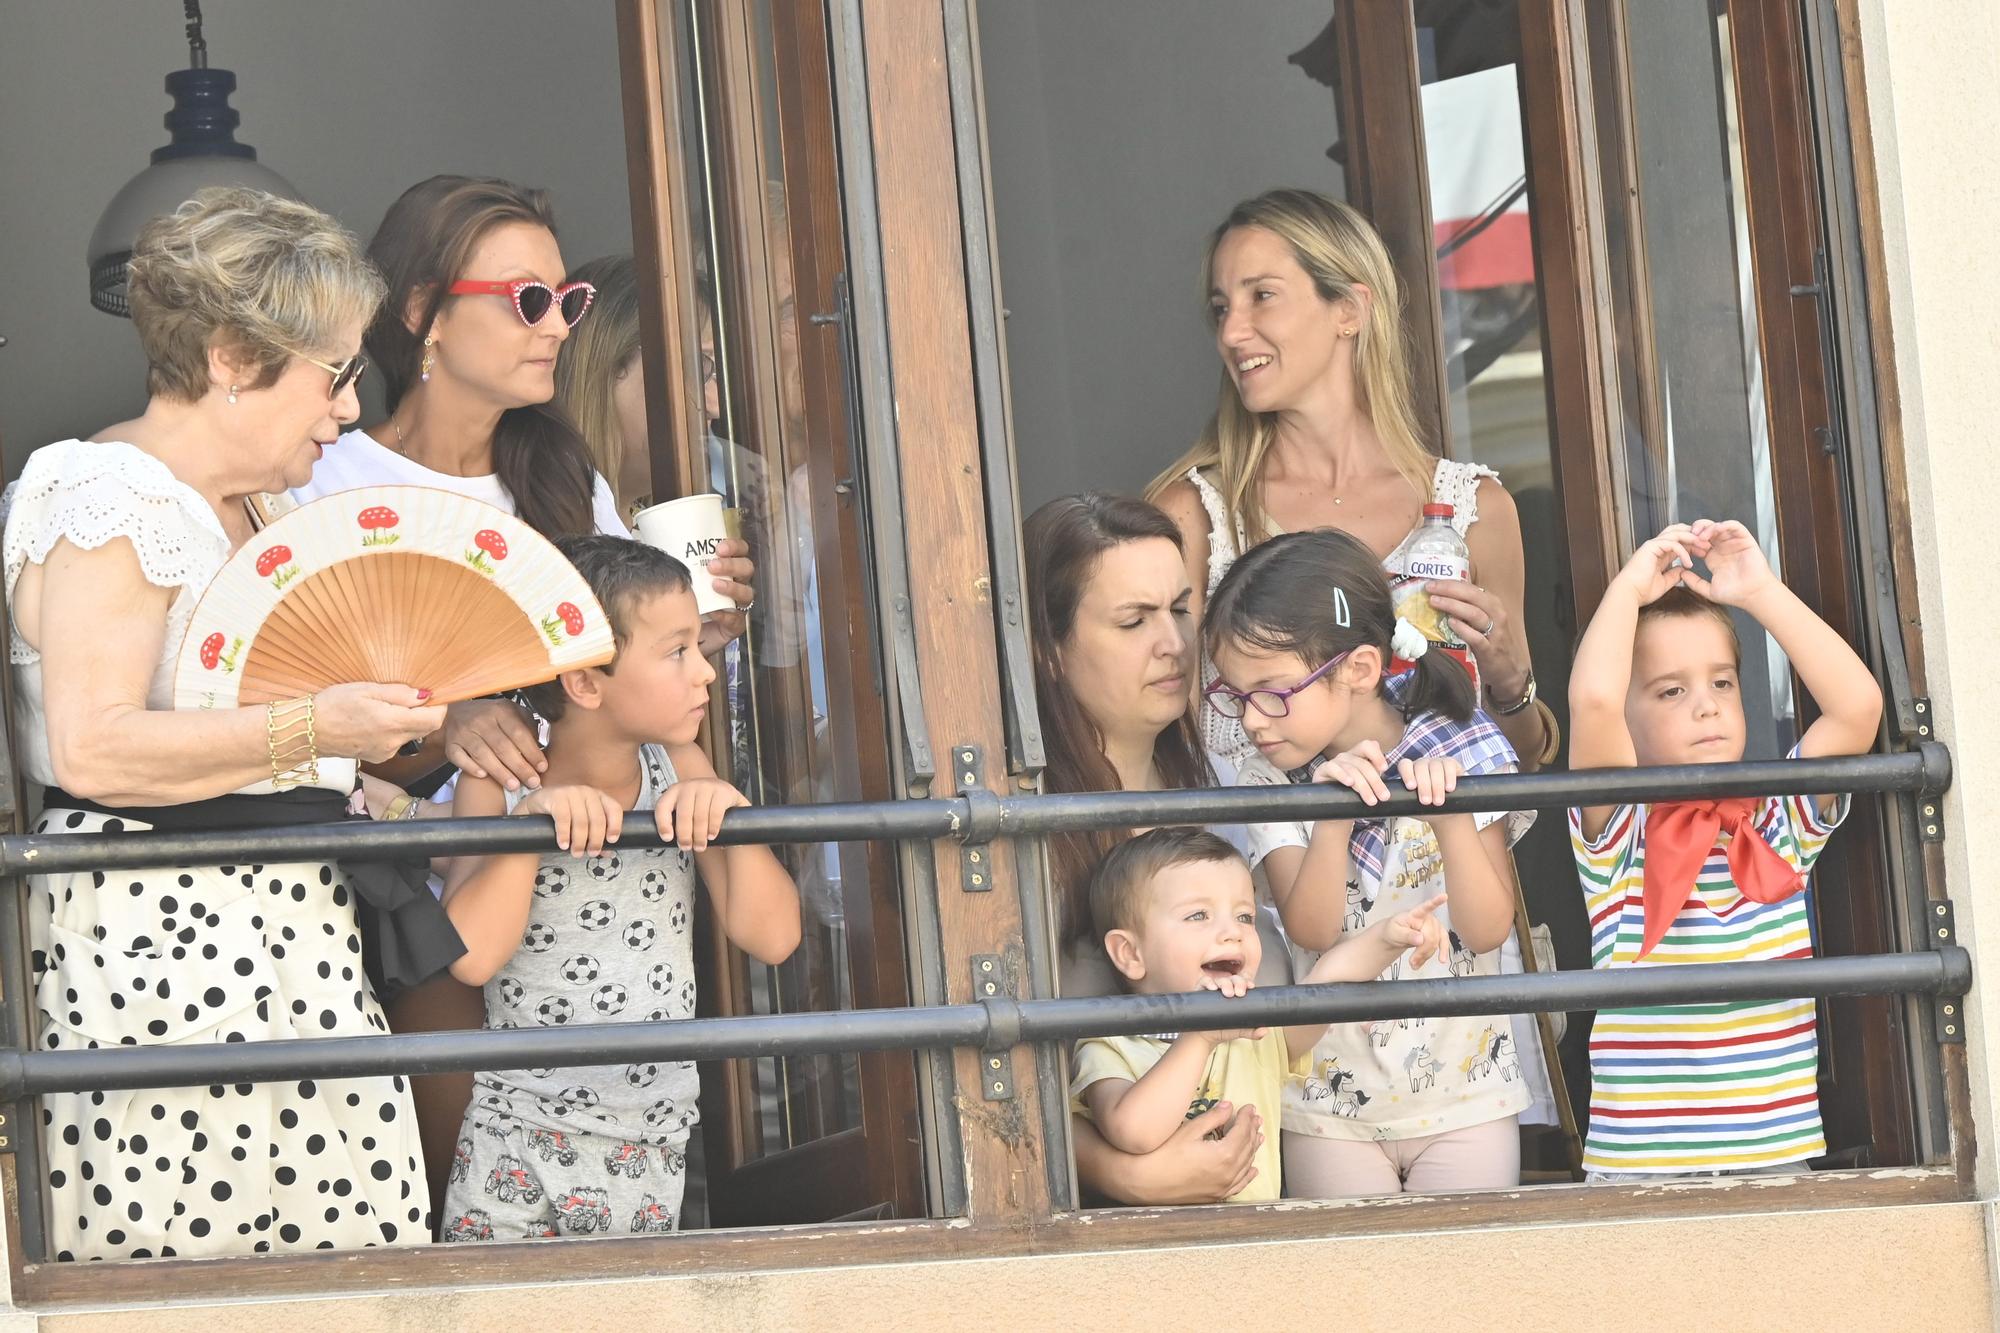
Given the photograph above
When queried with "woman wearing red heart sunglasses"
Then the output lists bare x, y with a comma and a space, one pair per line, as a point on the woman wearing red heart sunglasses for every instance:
466, 345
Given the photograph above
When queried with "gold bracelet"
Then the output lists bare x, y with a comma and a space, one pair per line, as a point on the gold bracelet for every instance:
293, 742
398, 808
1552, 730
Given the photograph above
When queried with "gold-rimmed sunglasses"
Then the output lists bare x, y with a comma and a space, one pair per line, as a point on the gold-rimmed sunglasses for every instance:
346, 373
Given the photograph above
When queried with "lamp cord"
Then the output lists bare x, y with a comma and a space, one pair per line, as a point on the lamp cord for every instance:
197, 44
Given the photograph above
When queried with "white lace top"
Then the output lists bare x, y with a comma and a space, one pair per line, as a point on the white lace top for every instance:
90, 493
1454, 483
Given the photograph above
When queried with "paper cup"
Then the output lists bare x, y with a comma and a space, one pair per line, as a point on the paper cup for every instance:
688, 529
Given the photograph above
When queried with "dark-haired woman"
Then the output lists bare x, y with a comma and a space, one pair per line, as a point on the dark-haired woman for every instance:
1114, 651
466, 348
478, 307
1306, 645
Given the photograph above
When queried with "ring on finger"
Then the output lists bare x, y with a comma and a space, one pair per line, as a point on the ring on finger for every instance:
1487, 633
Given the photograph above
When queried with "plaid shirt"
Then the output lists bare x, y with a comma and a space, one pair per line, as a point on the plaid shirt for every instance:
1479, 746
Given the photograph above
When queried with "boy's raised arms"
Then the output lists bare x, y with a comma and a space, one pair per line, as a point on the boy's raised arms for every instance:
1601, 676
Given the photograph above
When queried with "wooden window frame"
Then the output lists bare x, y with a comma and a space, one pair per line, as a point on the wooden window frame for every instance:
1007, 1205
1382, 128
49, 1287
862, 1159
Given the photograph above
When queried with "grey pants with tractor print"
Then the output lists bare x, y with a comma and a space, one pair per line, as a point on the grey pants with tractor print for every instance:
525, 1182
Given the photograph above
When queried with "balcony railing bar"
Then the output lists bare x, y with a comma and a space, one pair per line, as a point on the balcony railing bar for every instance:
991, 1024
981, 816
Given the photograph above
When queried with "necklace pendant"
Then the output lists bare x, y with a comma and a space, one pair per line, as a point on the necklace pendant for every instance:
1338, 500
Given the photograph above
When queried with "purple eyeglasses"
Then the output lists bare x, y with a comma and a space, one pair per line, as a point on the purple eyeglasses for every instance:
1271, 703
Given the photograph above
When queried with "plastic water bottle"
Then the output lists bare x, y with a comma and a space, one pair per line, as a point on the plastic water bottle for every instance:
1433, 553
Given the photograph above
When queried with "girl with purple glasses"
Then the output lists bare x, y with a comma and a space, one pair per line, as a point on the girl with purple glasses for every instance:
1330, 686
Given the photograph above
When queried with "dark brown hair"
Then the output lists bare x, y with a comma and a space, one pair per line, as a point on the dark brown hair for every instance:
1065, 539
423, 245
621, 573
1683, 601
1118, 888
1279, 598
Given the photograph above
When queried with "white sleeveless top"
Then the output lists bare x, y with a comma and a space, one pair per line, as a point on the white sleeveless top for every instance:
359, 459
1454, 483
90, 493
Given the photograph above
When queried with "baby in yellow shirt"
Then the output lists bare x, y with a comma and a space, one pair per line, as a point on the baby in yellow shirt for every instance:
1178, 913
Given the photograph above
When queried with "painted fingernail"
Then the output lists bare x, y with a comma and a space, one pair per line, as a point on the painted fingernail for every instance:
423, 695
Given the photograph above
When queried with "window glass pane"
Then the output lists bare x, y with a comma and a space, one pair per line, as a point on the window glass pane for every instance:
1489, 298
776, 678
1709, 453
1118, 137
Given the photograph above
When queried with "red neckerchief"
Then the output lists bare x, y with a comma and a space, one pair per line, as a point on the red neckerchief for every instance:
1679, 837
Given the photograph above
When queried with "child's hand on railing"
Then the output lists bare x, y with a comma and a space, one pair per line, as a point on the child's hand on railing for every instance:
690, 813
1235, 986
1432, 777
1417, 930
586, 819
1360, 770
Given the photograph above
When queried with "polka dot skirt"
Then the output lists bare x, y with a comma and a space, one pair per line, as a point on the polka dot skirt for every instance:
216, 954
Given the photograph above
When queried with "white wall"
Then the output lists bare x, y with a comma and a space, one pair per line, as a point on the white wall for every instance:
1120, 135
351, 101
1933, 79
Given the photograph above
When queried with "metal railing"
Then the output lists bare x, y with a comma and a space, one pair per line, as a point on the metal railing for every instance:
994, 1023
979, 816
990, 1025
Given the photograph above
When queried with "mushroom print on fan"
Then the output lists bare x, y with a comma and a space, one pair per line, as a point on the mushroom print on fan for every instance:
406, 585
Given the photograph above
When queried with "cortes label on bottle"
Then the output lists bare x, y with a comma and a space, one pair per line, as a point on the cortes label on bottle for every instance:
1431, 567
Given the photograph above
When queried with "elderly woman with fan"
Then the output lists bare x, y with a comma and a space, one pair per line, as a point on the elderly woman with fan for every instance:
250, 310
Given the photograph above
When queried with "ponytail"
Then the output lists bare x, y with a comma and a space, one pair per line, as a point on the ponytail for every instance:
1441, 685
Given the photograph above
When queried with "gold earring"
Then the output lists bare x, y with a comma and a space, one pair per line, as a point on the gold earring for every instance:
232, 393
430, 359
1348, 333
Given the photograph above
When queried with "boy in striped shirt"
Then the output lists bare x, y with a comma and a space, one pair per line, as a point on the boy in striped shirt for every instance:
1702, 1089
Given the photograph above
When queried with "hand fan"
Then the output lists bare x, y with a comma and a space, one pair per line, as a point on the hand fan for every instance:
407, 585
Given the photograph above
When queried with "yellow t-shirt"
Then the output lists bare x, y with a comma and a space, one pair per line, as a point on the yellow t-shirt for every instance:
1241, 1072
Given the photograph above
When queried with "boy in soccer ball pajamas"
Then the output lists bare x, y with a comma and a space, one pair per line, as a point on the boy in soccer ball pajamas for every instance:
592, 933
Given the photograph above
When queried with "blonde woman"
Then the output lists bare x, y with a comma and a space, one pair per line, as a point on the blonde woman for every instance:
1314, 428
250, 310
600, 385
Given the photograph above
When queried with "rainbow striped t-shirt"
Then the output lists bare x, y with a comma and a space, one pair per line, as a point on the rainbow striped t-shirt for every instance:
1701, 1087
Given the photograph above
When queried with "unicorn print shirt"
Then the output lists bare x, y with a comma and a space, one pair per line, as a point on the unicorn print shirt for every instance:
1404, 1078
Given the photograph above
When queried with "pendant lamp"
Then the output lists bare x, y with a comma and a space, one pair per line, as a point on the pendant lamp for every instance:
203, 153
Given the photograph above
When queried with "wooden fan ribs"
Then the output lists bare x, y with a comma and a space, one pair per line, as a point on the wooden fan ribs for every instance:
397, 617
406, 609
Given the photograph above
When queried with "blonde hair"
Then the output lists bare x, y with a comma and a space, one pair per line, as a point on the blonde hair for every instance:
1339, 251
261, 274
588, 365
